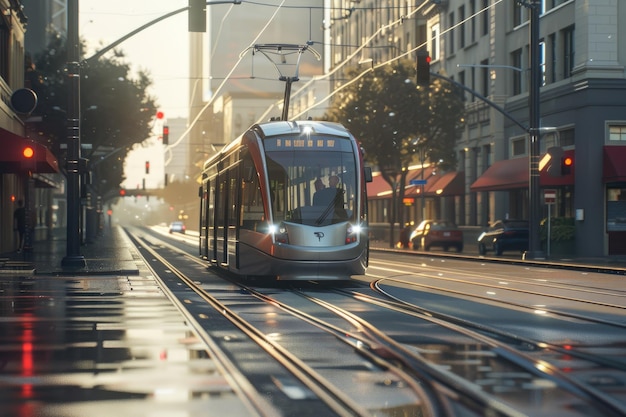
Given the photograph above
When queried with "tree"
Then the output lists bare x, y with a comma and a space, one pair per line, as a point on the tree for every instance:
395, 121
116, 112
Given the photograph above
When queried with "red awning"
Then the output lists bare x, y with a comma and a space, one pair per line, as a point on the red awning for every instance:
13, 161
503, 175
378, 187
450, 183
614, 164
511, 174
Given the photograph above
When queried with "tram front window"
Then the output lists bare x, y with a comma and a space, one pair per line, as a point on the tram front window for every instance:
316, 187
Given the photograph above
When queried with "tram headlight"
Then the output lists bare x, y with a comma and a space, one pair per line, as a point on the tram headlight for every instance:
280, 233
352, 233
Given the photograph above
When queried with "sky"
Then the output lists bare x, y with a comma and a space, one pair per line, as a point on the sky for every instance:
162, 50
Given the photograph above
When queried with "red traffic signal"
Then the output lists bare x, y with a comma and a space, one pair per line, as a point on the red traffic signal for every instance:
166, 135
567, 162
28, 152
122, 192
423, 68
147, 167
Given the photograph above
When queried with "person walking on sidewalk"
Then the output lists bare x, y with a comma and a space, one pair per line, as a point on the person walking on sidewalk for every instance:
19, 223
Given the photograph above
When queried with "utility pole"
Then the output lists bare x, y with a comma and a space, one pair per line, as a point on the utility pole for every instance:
73, 258
534, 241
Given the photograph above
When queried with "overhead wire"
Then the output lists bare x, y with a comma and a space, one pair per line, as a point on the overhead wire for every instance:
338, 67
221, 85
361, 75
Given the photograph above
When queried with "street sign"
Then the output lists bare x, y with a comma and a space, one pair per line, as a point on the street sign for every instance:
549, 196
418, 182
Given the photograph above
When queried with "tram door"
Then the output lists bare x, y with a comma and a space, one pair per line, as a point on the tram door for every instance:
203, 222
210, 219
221, 225
231, 220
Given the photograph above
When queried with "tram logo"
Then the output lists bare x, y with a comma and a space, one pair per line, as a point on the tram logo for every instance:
319, 235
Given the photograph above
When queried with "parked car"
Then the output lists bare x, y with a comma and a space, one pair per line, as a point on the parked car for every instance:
178, 227
440, 233
504, 235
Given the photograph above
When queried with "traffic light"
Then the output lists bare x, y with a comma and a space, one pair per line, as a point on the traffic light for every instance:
28, 152
122, 192
197, 16
166, 135
423, 68
567, 162
147, 167
555, 161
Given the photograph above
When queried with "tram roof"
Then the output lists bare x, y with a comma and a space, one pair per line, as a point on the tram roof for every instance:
278, 128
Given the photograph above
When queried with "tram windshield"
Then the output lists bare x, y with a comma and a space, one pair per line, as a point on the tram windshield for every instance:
312, 181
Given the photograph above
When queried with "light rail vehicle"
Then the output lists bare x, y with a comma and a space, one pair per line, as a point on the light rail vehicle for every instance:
287, 200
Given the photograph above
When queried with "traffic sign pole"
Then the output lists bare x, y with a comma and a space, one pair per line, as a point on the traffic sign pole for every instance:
549, 197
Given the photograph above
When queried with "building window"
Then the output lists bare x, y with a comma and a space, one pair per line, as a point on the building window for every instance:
5, 38
568, 51
617, 133
615, 209
484, 77
462, 82
552, 69
516, 61
566, 137
487, 156
472, 6
517, 14
434, 41
451, 33
473, 81
461, 27
518, 146
485, 17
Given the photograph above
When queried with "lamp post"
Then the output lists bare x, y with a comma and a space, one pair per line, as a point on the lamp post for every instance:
73, 258
534, 242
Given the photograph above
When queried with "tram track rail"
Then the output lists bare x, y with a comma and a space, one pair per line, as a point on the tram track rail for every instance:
373, 342
555, 312
330, 396
470, 278
440, 392
481, 334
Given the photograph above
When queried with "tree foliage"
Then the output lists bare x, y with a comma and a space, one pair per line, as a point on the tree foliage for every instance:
116, 111
396, 121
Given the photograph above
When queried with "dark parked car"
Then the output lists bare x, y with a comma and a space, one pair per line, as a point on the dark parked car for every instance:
178, 227
440, 233
504, 235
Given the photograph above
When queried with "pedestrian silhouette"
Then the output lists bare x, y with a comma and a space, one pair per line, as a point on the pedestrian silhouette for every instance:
19, 223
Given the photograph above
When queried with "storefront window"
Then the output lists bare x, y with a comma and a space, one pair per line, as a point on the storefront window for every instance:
616, 210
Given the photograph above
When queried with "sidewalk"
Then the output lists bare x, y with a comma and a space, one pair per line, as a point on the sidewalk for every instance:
109, 254
101, 340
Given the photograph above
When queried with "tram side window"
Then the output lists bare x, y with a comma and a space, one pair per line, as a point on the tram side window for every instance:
277, 180
253, 215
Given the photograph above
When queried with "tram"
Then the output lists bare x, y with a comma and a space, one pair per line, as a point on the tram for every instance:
287, 200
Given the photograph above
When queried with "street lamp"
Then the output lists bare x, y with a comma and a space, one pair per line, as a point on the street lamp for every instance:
534, 242
73, 258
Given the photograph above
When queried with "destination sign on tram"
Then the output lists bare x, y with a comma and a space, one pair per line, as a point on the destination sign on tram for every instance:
314, 143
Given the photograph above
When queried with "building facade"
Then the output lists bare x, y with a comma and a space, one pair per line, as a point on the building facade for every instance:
485, 46
25, 163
